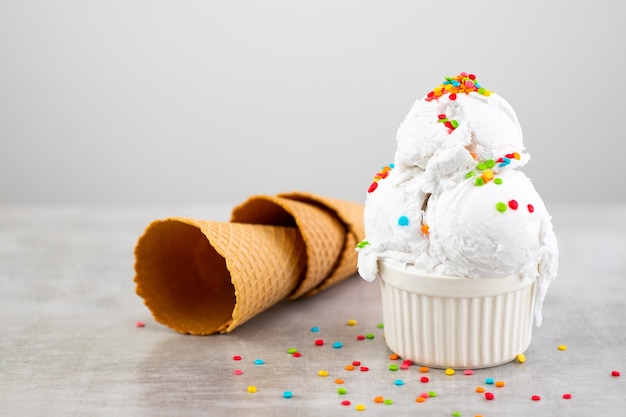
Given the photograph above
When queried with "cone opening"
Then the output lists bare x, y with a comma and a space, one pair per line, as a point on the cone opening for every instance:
182, 278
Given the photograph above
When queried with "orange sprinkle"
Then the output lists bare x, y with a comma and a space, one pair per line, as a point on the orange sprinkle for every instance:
339, 381
480, 389
424, 369
349, 367
393, 356
379, 399
516, 155
420, 399
499, 383
425, 229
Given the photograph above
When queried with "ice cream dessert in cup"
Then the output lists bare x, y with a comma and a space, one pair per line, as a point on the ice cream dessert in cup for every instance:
459, 237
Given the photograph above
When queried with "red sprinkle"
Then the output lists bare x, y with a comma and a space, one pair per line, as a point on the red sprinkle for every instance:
360, 337
513, 204
424, 379
535, 398
567, 396
236, 358
364, 368
442, 116
238, 372
345, 402
530, 208
296, 354
319, 342
356, 363
489, 396
615, 373
140, 324
452, 96
372, 187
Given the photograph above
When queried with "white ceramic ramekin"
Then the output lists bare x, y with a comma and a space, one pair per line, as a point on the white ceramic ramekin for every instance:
455, 322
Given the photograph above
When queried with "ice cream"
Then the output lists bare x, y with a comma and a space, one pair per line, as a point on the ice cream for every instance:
454, 201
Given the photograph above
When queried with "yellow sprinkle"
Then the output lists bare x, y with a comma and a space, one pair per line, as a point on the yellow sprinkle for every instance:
449, 371
360, 407
351, 322
521, 358
251, 389
499, 383
488, 174
323, 373
562, 347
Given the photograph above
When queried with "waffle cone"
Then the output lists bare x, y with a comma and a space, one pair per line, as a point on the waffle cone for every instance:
203, 277
322, 232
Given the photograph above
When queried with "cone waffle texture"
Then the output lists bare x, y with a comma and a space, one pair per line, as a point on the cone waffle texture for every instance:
203, 277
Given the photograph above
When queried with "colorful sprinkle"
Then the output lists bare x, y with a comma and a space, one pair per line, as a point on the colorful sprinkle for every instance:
369, 336
292, 350
381, 325
339, 381
432, 394
323, 373
456, 414
501, 207
360, 337
615, 373
521, 358
359, 245
351, 322
531, 208
237, 372
319, 342
468, 372
393, 367
567, 396
259, 362
342, 391
296, 354
489, 381
345, 402
420, 399
461, 83
424, 379
364, 369
489, 396
403, 221
360, 407
349, 367
140, 324
535, 398
561, 347
287, 394
480, 390
379, 399
388, 401
497, 181
499, 384
425, 229
316, 329
449, 371
398, 382
394, 356
337, 345
513, 204
236, 358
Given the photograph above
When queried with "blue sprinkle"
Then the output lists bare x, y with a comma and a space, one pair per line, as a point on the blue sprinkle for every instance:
456, 83
337, 345
315, 329
287, 394
392, 166
259, 362
398, 382
403, 221
489, 381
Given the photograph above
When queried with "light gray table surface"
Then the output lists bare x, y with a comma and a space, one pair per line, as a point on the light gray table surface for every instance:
69, 344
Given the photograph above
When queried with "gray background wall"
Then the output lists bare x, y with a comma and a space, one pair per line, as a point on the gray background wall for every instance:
200, 101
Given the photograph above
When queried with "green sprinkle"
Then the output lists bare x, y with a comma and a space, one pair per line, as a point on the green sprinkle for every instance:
362, 244
479, 181
490, 163
481, 91
369, 335
470, 174
497, 181
481, 166
501, 207
342, 391
456, 414
432, 394
381, 325
388, 401
445, 119
454, 123
393, 367
292, 350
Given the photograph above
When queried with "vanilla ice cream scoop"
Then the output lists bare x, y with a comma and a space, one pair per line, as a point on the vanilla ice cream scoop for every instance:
453, 201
